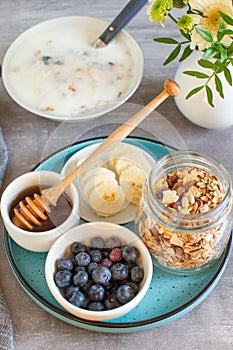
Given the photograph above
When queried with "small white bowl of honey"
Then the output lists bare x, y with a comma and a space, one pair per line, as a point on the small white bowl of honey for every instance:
62, 217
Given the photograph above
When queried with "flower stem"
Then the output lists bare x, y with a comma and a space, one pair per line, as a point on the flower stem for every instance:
172, 18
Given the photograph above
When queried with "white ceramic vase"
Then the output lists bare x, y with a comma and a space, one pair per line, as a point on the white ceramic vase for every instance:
196, 108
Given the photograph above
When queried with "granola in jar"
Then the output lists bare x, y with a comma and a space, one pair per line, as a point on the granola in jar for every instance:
184, 218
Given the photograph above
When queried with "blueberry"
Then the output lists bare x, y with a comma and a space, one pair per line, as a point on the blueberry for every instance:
80, 268
87, 286
46, 60
96, 293
101, 275
105, 253
65, 264
58, 60
130, 253
85, 53
77, 247
136, 274
82, 259
69, 291
119, 272
96, 306
134, 286
124, 293
96, 255
115, 255
92, 266
109, 285
77, 299
113, 242
106, 262
111, 302
97, 242
80, 278
63, 278
86, 303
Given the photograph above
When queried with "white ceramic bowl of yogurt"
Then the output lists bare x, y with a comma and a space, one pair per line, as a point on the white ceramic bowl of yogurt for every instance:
53, 70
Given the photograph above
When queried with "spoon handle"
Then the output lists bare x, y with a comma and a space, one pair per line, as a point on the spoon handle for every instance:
128, 12
52, 194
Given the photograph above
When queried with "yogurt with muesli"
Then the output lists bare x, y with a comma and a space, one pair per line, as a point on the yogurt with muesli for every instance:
59, 71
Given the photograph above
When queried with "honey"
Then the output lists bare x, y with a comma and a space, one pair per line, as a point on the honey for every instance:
55, 218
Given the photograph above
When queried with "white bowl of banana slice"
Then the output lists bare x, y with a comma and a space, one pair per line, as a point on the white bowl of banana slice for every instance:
111, 189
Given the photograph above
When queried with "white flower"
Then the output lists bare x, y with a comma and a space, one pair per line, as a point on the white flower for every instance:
210, 20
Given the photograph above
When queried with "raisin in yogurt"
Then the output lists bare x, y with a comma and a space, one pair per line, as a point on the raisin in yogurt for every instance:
57, 70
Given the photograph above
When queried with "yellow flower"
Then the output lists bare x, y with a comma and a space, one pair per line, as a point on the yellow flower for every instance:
210, 20
159, 9
185, 23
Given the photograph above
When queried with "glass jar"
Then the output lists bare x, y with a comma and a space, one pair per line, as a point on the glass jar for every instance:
185, 214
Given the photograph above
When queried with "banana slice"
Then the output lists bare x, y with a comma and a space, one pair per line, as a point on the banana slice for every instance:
131, 159
97, 174
106, 199
108, 191
94, 177
132, 168
131, 180
125, 155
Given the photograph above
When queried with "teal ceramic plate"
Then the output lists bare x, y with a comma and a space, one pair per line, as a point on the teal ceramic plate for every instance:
169, 296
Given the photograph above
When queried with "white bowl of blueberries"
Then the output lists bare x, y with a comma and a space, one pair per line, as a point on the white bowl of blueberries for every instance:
98, 271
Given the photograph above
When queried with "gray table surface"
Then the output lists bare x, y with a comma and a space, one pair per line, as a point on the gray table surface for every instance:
30, 138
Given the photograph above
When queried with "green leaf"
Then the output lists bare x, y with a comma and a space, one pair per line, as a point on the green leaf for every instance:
194, 91
210, 53
196, 74
218, 85
187, 52
220, 67
228, 19
166, 41
227, 75
206, 35
223, 53
209, 94
173, 55
226, 31
220, 35
230, 50
222, 24
186, 35
206, 64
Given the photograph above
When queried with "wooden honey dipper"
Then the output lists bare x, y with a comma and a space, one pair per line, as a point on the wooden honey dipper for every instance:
33, 211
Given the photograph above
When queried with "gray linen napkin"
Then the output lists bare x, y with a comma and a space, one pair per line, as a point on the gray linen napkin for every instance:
3, 157
6, 329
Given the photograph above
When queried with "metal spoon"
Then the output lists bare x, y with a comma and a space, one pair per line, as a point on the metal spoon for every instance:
128, 12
